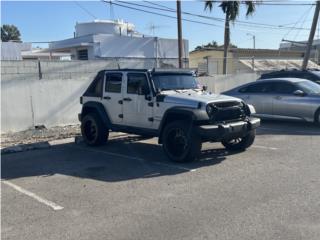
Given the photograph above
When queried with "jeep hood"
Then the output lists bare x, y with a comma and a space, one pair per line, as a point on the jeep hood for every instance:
191, 97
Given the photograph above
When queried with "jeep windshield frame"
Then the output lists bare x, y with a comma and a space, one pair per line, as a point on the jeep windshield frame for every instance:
164, 81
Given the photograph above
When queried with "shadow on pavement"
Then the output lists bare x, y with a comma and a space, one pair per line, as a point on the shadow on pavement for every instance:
122, 159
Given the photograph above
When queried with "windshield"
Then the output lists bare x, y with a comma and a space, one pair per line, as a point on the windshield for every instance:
175, 82
309, 87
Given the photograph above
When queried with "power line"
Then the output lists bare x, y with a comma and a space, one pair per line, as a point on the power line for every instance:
275, 3
244, 23
305, 13
164, 15
86, 10
302, 23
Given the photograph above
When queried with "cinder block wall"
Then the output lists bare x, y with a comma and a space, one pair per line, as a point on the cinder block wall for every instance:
48, 94
221, 83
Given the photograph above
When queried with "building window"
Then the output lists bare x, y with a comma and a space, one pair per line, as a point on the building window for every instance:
83, 54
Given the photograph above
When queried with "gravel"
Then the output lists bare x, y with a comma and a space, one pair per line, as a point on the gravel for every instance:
41, 134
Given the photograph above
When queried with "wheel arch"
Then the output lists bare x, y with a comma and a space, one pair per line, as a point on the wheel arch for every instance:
179, 113
98, 108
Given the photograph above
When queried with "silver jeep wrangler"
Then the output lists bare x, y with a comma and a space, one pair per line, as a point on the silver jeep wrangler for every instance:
169, 105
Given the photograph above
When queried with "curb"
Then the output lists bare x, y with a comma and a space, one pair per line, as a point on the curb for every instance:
40, 145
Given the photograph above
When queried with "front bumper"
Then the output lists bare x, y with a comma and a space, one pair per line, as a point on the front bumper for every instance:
222, 131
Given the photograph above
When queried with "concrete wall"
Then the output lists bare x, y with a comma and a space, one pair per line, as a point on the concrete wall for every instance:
50, 96
221, 83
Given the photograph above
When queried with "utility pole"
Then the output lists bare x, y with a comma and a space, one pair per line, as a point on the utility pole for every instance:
254, 47
180, 48
311, 36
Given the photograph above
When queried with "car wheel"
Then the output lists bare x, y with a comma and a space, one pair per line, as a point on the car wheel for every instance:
180, 142
240, 144
93, 130
317, 117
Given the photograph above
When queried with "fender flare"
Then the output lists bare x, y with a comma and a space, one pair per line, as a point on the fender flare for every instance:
186, 113
98, 108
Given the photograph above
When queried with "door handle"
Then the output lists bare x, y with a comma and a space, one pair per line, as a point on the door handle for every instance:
278, 97
107, 97
127, 99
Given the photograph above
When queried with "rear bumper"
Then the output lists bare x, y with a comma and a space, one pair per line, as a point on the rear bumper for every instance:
227, 131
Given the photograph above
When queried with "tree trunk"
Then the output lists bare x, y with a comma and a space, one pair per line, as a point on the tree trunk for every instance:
226, 44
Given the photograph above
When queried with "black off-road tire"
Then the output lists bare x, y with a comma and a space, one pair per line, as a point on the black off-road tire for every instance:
180, 142
93, 131
240, 144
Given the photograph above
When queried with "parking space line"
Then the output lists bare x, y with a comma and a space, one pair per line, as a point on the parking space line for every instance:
136, 158
265, 147
53, 205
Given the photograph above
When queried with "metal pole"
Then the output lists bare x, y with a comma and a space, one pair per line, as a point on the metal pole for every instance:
254, 47
311, 36
179, 32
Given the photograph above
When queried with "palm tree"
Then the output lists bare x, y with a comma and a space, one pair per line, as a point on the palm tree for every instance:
231, 10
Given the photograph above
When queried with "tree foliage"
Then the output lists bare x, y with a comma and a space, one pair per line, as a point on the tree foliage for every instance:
231, 10
213, 44
10, 33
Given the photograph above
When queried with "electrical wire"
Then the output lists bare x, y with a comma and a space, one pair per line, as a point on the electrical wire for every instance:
86, 10
164, 15
305, 13
244, 23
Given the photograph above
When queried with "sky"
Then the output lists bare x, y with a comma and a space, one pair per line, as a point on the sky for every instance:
45, 21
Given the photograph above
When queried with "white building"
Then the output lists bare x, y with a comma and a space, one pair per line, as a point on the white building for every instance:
104, 39
24, 51
301, 46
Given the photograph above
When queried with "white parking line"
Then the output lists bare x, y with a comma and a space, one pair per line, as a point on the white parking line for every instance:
34, 196
136, 158
265, 147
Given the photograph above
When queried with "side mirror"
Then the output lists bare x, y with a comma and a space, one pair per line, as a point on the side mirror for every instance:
144, 90
299, 93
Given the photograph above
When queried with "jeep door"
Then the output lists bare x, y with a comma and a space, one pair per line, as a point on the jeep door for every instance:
137, 111
112, 96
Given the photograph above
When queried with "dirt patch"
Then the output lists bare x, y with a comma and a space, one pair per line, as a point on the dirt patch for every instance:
39, 135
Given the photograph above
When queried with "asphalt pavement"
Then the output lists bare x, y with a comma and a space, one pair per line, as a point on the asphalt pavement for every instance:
128, 189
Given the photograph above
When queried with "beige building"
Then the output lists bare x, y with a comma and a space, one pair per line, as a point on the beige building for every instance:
209, 61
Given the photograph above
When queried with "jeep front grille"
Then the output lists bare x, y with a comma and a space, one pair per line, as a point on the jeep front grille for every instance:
227, 111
